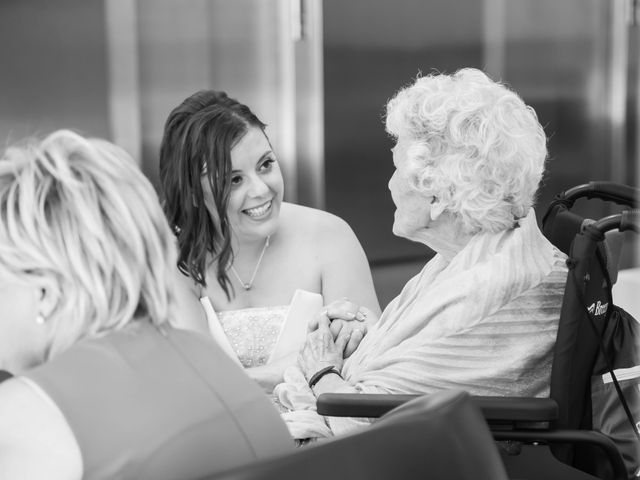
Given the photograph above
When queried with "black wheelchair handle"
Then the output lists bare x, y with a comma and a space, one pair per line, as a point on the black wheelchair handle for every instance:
629, 220
610, 191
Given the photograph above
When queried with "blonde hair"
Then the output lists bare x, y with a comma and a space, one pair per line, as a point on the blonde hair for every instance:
79, 214
473, 144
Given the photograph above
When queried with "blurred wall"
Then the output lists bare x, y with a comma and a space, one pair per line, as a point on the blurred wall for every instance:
210, 44
53, 68
371, 49
567, 59
116, 68
252, 50
319, 73
401, 24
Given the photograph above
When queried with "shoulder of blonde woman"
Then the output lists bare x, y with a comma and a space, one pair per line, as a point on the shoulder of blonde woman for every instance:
35, 439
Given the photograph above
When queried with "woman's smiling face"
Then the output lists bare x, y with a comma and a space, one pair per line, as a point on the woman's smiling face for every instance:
257, 188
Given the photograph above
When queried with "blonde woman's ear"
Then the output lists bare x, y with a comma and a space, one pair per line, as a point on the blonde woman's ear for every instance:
49, 298
437, 207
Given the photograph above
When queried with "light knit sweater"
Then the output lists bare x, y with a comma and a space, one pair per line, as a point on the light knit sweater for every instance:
484, 322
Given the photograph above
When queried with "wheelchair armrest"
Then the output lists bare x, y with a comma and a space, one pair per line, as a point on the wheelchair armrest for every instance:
522, 412
494, 409
370, 405
518, 409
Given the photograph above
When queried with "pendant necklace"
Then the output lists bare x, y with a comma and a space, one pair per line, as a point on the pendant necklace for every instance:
247, 286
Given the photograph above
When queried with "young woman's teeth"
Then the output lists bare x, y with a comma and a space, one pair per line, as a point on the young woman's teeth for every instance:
258, 211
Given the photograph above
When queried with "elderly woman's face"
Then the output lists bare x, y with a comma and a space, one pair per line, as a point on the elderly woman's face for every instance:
20, 335
412, 208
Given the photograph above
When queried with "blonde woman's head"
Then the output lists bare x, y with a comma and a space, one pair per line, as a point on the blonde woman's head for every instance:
82, 225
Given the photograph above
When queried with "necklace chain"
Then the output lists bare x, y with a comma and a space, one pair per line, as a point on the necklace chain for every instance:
247, 286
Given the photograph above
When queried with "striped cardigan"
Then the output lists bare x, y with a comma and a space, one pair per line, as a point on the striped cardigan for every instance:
484, 322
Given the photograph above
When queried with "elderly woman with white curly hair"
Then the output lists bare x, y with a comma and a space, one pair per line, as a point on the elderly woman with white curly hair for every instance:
482, 315
104, 386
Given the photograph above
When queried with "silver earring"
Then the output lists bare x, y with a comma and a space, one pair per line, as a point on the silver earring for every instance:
40, 320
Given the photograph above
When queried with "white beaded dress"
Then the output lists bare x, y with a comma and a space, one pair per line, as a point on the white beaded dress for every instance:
253, 332
259, 335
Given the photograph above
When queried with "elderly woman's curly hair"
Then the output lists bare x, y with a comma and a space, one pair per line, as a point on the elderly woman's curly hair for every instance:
473, 144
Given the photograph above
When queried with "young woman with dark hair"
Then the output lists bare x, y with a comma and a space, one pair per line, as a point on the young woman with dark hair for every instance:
259, 267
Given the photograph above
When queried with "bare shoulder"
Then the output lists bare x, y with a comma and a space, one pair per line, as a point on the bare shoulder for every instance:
342, 261
322, 232
35, 439
312, 220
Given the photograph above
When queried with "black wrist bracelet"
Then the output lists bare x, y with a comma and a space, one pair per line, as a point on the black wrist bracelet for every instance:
315, 378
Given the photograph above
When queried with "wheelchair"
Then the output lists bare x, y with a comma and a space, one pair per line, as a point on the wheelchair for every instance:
440, 436
562, 423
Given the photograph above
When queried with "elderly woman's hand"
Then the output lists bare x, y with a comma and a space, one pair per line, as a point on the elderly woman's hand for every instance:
351, 333
320, 350
347, 321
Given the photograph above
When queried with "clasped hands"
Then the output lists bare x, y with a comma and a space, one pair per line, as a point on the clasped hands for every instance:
334, 334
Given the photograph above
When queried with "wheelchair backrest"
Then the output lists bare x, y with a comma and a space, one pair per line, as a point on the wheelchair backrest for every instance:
587, 303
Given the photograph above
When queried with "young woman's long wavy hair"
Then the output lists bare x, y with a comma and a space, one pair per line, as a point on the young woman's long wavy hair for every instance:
198, 137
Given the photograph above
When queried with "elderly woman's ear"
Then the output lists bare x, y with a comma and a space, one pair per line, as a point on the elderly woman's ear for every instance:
437, 207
